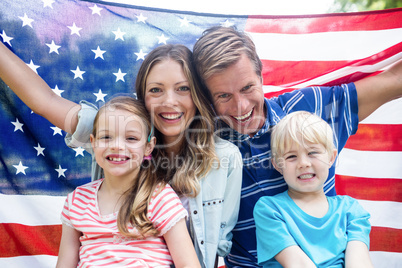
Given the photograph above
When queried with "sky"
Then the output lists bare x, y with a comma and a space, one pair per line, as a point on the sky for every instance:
236, 7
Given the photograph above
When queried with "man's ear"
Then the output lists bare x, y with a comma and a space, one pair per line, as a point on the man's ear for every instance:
150, 146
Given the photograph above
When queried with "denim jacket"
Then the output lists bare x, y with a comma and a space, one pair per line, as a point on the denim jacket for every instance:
213, 212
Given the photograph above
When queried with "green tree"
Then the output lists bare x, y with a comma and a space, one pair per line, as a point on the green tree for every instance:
363, 5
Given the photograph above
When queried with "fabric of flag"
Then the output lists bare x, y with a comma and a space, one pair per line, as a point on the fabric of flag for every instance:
92, 50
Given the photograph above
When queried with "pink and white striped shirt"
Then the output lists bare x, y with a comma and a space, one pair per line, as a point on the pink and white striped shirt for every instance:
101, 242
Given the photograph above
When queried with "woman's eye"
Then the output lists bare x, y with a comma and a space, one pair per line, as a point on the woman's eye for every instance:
184, 88
154, 90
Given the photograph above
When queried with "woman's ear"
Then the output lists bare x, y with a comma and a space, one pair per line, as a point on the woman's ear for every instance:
150, 146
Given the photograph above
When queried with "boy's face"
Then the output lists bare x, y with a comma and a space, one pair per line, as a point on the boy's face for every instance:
305, 167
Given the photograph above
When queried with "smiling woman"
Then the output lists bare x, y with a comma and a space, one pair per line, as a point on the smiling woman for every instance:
168, 99
166, 82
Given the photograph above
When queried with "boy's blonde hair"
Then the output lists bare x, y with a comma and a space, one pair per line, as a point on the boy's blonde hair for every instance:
300, 127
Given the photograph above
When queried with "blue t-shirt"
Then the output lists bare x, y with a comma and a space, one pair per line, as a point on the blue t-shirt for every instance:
336, 105
281, 223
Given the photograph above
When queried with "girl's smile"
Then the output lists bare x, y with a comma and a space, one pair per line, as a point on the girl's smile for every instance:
117, 159
120, 143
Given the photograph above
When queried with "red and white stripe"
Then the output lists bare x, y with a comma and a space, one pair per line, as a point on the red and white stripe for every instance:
34, 217
370, 170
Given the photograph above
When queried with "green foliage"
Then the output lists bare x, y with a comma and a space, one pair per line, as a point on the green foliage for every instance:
363, 5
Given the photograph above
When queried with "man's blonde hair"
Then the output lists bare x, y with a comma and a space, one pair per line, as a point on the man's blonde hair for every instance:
301, 127
221, 47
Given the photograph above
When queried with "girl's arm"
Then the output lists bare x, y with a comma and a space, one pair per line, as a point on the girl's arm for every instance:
69, 248
180, 246
293, 257
35, 93
357, 255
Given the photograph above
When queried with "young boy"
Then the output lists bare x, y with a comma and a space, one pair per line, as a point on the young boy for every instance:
302, 225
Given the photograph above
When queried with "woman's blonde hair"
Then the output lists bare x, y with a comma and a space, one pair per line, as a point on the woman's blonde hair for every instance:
197, 154
134, 210
300, 127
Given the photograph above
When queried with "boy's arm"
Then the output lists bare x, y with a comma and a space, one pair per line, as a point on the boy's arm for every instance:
274, 239
35, 93
69, 248
374, 91
180, 246
293, 257
357, 255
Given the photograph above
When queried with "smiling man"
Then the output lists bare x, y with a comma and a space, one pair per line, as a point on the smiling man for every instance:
238, 97
231, 71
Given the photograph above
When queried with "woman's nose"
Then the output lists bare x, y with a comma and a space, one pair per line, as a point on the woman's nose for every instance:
170, 97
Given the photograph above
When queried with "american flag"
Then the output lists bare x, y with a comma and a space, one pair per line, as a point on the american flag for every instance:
92, 50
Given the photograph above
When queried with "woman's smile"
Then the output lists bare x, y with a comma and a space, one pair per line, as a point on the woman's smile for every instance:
168, 100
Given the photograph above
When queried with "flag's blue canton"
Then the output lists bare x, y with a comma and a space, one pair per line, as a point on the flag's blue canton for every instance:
83, 50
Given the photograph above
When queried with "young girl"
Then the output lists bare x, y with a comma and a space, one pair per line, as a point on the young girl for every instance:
203, 169
302, 225
131, 217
